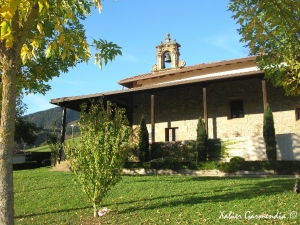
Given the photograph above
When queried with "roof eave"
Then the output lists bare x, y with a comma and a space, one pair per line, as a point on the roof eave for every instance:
61, 101
128, 82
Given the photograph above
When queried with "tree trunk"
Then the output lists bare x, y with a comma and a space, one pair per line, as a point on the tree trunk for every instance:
9, 84
95, 210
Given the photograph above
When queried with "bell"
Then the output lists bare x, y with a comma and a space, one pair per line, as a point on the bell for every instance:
167, 58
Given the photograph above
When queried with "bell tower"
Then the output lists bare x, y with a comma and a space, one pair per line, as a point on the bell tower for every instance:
168, 52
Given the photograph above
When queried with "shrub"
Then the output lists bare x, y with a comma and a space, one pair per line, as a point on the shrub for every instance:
25, 165
201, 142
133, 152
237, 159
281, 167
38, 157
174, 151
97, 160
269, 134
217, 149
46, 162
54, 144
185, 151
156, 150
143, 141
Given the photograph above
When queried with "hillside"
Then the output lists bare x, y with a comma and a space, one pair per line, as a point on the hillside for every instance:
47, 118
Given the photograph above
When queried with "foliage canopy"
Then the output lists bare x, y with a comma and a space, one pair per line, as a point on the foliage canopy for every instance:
38, 40
271, 30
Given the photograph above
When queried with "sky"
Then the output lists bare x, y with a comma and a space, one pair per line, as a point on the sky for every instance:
205, 30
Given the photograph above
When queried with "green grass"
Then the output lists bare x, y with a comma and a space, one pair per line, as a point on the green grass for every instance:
45, 197
46, 148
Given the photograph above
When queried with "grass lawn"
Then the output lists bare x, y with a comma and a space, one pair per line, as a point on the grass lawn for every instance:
46, 148
45, 197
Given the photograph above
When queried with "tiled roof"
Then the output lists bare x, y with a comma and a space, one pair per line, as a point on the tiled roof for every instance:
184, 69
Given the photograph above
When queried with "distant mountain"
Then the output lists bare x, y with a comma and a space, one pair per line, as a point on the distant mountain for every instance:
47, 118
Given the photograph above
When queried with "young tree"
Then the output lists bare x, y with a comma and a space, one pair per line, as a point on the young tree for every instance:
97, 160
269, 134
143, 141
271, 30
54, 143
38, 38
201, 142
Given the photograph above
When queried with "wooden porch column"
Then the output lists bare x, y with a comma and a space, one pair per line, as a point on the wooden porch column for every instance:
264, 91
62, 134
107, 106
152, 119
205, 110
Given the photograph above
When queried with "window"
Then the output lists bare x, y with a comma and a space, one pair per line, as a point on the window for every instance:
236, 109
172, 134
297, 113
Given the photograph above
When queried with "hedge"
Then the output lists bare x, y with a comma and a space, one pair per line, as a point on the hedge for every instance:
281, 167
25, 165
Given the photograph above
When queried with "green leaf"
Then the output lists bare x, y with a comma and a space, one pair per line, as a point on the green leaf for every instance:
4, 27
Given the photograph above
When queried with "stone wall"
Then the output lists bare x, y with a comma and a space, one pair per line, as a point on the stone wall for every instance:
182, 107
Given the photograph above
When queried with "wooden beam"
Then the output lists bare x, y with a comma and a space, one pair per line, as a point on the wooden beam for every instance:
264, 92
205, 110
152, 119
123, 102
62, 134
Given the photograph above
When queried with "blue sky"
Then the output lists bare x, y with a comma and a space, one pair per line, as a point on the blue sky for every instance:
203, 28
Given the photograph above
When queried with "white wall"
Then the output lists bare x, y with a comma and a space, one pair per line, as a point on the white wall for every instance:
253, 148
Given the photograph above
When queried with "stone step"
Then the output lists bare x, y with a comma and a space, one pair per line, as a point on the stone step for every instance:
62, 166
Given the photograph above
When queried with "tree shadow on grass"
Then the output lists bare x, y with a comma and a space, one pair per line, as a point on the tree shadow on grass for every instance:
51, 212
221, 194
43, 188
273, 185
173, 178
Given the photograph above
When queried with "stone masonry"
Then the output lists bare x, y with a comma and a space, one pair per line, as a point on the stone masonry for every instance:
182, 107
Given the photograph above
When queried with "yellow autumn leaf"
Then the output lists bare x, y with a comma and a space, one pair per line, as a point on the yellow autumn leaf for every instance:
76, 58
14, 4
64, 55
56, 27
61, 39
48, 51
35, 44
24, 53
4, 9
54, 45
34, 53
6, 35
47, 4
40, 28
24, 49
41, 5
9, 41
7, 15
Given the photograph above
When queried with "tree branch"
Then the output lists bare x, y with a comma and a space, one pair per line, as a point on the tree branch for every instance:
24, 30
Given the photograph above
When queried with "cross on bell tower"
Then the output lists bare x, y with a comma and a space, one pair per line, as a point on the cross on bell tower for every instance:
168, 52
